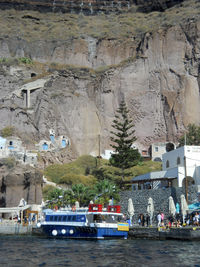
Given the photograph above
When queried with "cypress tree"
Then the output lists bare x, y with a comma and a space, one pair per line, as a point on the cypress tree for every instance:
122, 138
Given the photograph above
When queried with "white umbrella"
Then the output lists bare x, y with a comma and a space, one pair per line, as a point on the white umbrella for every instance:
150, 209
172, 208
184, 206
131, 210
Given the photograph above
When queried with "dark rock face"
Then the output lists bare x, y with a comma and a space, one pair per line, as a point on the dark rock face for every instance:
88, 7
19, 182
156, 5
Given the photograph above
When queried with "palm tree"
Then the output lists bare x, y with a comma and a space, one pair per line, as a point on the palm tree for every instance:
80, 194
105, 190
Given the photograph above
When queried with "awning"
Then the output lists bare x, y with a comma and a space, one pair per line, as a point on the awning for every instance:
14, 209
155, 176
194, 206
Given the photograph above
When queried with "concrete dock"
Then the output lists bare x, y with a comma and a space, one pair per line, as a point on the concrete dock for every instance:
183, 233
135, 232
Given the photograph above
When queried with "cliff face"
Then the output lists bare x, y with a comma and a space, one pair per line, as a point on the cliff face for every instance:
156, 72
19, 182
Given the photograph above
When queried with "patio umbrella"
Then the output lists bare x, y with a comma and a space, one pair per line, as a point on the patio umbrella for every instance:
172, 208
150, 209
131, 210
184, 206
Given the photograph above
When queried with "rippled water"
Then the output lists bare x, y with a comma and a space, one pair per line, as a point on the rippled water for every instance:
34, 251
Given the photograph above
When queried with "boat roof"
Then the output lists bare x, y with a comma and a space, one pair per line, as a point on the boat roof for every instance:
79, 212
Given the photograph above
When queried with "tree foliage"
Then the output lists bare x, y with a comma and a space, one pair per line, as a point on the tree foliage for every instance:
192, 136
122, 139
101, 193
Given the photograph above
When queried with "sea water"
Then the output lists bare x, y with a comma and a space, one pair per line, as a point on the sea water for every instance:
24, 251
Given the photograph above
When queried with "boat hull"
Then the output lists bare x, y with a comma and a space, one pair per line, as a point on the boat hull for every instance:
63, 231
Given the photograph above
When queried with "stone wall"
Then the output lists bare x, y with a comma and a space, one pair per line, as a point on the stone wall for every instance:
160, 198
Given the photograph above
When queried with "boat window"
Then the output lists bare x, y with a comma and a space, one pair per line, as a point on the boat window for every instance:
80, 218
51, 218
59, 218
73, 218
64, 218
55, 218
69, 218
97, 218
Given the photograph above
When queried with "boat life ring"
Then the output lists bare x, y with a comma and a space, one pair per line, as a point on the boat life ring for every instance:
63, 231
71, 231
74, 208
54, 232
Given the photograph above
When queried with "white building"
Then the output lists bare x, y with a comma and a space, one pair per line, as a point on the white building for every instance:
158, 149
176, 164
185, 158
107, 154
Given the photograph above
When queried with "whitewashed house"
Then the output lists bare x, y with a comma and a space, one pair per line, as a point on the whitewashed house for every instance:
176, 164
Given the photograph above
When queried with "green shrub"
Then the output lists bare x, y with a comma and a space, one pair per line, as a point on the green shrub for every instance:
25, 60
47, 190
7, 131
71, 179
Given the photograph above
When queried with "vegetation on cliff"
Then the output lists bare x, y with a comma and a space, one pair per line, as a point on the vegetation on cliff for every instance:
124, 26
94, 177
88, 170
191, 137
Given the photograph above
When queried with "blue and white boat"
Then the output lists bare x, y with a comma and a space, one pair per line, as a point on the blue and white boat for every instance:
91, 223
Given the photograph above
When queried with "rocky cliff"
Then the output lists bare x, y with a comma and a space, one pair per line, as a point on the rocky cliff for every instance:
17, 182
90, 63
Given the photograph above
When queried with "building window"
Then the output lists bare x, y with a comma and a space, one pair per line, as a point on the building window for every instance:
156, 149
178, 161
167, 164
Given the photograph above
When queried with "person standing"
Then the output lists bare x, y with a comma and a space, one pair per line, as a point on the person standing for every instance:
139, 219
159, 219
143, 219
162, 217
147, 219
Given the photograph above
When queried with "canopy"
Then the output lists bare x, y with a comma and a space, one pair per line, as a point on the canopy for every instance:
172, 208
194, 206
184, 206
131, 210
158, 175
150, 207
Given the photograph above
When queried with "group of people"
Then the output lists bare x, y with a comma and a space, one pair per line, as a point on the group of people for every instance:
178, 220
144, 219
